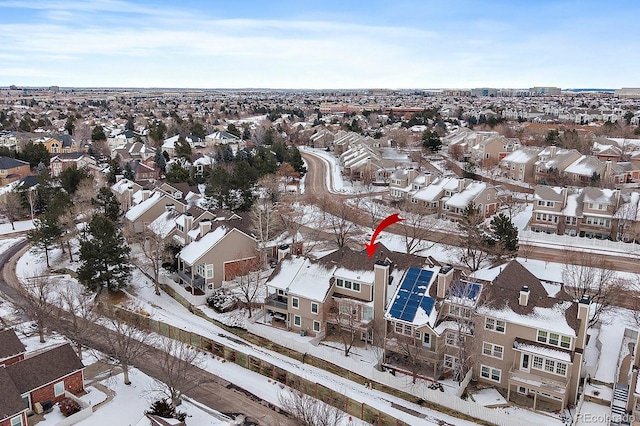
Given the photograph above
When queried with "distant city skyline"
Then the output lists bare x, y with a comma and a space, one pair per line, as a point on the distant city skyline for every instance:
319, 45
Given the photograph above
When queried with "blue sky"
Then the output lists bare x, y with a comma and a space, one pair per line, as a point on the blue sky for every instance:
320, 44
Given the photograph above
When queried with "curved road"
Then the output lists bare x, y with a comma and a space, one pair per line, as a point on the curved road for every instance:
315, 184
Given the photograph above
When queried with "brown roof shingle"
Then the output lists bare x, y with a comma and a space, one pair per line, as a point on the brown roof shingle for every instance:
505, 291
10, 344
10, 399
46, 367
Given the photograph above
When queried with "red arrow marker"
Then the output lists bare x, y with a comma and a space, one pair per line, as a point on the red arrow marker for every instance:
388, 221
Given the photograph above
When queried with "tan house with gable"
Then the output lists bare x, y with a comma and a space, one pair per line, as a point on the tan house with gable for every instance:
216, 255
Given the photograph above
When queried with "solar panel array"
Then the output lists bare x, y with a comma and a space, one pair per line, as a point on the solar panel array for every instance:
412, 294
465, 289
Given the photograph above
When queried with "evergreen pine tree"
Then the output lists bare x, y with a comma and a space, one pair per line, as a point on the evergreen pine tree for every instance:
159, 159
104, 254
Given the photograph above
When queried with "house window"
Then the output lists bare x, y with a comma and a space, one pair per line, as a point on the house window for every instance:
356, 286
554, 339
17, 421
492, 350
495, 325
453, 339
450, 361
537, 362
316, 326
314, 308
210, 271
459, 311
490, 373
561, 368
297, 320
398, 328
426, 339
295, 302
58, 388
347, 285
367, 313
339, 283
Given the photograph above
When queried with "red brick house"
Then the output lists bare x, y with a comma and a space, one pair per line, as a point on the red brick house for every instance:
47, 375
12, 409
11, 348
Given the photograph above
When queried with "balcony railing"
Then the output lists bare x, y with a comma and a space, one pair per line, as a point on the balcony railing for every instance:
196, 282
276, 301
541, 383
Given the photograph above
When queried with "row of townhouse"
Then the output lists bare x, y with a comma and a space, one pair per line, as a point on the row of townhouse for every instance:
504, 326
444, 196
215, 246
31, 382
586, 212
484, 148
556, 165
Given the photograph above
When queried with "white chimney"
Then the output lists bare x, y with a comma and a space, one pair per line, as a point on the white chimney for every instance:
205, 226
524, 296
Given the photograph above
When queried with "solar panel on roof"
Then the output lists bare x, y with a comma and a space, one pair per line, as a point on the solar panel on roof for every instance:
412, 294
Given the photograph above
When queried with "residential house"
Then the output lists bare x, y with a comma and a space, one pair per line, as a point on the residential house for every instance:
606, 149
46, 376
547, 214
11, 348
520, 164
448, 197
586, 170
132, 151
322, 138
343, 290
13, 411
587, 212
224, 138
552, 162
533, 337
401, 183
61, 162
628, 217
148, 206
57, 144
598, 208
488, 152
124, 190
145, 171
12, 170
222, 250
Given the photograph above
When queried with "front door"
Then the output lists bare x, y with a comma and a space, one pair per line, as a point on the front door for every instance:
525, 362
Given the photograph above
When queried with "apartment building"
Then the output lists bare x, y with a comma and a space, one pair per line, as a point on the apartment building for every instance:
586, 212
342, 290
503, 326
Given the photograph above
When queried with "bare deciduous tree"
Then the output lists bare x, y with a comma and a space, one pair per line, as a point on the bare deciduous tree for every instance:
178, 363
247, 274
38, 295
128, 343
345, 314
341, 220
416, 228
587, 275
77, 314
410, 347
11, 207
153, 241
309, 411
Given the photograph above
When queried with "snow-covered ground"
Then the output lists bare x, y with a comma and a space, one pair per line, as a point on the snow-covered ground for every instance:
21, 226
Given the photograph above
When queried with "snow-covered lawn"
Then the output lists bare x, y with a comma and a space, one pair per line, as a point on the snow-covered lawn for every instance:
130, 402
22, 226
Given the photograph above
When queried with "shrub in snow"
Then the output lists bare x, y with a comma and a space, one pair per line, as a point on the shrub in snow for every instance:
69, 407
164, 409
222, 302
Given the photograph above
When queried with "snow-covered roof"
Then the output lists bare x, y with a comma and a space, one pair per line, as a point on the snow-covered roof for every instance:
164, 224
552, 319
138, 210
302, 277
585, 166
196, 249
545, 351
522, 156
462, 199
